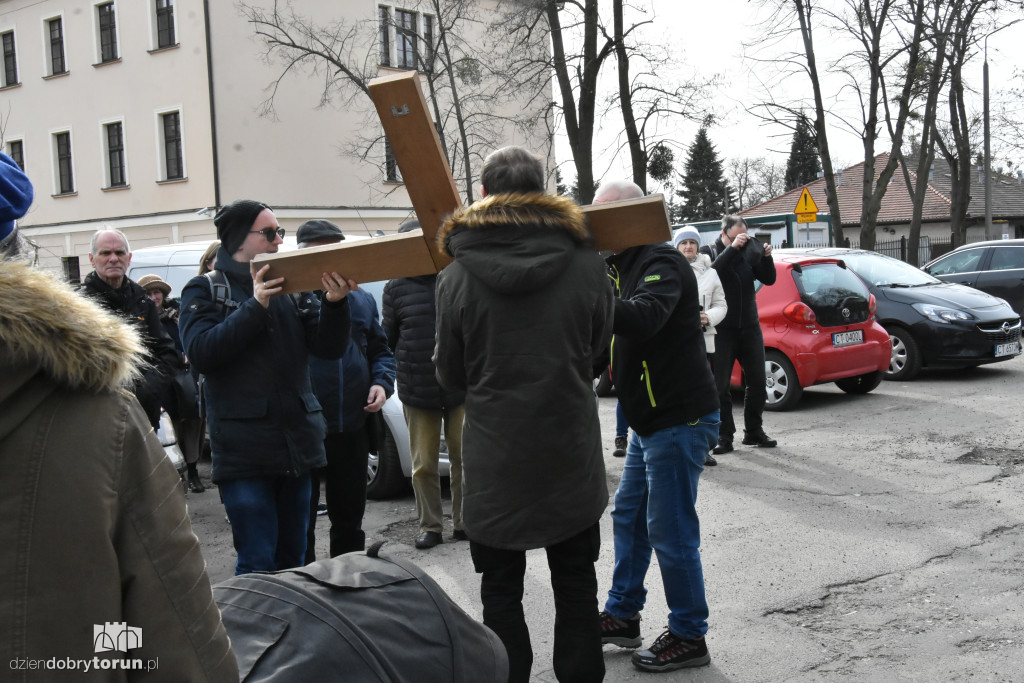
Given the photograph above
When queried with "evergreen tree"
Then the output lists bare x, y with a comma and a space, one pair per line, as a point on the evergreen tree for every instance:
803, 165
705, 194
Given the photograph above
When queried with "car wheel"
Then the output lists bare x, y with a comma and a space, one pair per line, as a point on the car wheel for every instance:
603, 384
861, 384
905, 361
782, 387
384, 478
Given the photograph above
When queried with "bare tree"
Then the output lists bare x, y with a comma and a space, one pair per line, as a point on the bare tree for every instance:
579, 45
345, 55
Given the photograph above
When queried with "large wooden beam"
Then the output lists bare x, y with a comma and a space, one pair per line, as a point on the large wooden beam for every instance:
628, 223
380, 258
403, 113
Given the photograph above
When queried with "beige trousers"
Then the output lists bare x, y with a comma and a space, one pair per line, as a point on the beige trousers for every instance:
425, 441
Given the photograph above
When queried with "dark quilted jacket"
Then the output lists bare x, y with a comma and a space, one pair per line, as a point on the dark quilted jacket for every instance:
409, 311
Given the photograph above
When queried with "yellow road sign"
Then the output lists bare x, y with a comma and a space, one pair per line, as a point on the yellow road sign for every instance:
806, 218
805, 204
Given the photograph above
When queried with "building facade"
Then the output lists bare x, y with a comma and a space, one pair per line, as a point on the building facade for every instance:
146, 115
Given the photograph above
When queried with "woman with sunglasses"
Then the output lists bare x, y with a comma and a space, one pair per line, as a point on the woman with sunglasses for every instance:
266, 427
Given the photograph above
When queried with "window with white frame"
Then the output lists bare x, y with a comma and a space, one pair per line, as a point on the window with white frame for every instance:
165, 35
10, 59
391, 173
55, 46
113, 144
64, 174
16, 151
106, 24
172, 160
406, 38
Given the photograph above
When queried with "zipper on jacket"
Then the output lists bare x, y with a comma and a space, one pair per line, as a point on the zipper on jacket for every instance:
613, 275
647, 381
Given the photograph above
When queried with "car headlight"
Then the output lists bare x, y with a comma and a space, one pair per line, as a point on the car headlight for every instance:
942, 314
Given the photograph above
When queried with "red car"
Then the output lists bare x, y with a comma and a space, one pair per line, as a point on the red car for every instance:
818, 321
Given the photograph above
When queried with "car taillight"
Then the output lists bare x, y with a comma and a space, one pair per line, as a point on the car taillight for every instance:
799, 312
872, 305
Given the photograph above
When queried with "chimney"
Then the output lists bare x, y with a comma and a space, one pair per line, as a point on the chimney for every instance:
839, 178
931, 172
981, 173
1020, 176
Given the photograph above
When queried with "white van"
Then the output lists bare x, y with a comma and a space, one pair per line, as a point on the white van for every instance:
388, 471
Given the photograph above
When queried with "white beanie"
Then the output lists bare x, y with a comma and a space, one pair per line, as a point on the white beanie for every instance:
687, 233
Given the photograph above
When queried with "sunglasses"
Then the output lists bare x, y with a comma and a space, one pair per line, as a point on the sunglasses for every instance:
269, 233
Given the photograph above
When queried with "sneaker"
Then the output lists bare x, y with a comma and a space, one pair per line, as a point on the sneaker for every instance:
672, 652
758, 439
709, 461
620, 447
724, 446
621, 632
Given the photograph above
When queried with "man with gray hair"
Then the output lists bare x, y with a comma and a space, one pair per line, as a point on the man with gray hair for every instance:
668, 393
525, 307
108, 284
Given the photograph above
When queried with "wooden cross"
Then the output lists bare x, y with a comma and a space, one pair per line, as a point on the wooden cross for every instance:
402, 109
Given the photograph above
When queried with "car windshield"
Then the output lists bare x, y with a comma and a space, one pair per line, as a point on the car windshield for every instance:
884, 271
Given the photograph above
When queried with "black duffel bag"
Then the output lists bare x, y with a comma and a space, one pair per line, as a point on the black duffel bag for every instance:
355, 617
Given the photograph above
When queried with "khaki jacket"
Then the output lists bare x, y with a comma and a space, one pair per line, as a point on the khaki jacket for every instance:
92, 514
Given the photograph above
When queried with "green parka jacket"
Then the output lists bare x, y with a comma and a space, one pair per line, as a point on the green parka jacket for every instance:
92, 513
522, 313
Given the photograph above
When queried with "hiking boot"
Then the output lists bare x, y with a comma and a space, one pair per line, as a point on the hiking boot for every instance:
724, 446
620, 447
621, 632
758, 439
709, 460
672, 652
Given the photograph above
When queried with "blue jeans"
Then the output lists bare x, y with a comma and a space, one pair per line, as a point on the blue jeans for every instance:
621, 426
655, 508
269, 517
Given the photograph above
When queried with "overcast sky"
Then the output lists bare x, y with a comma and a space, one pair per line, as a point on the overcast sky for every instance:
714, 38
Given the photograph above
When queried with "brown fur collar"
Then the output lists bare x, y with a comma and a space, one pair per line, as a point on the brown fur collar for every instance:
47, 325
511, 209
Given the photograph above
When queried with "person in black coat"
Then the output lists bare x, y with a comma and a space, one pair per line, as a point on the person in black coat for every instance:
110, 254
522, 314
350, 390
409, 311
266, 427
739, 260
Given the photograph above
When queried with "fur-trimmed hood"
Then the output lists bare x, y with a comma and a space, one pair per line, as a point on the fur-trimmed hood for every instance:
700, 264
515, 242
46, 326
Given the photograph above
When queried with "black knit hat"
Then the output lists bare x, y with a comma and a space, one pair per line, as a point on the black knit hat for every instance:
235, 220
316, 230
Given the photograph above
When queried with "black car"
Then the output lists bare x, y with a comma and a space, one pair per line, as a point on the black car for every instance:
931, 323
995, 267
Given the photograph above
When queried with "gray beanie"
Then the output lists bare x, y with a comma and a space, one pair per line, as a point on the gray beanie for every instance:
235, 220
686, 233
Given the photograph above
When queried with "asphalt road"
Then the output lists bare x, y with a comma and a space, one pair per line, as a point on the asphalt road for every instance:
882, 540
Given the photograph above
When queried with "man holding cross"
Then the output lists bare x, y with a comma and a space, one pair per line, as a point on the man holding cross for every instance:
522, 314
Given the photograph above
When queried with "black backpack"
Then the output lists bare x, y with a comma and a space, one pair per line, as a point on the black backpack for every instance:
355, 617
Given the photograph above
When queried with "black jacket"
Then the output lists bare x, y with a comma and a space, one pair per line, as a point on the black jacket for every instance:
521, 314
658, 359
130, 302
737, 269
342, 386
408, 321
264, 418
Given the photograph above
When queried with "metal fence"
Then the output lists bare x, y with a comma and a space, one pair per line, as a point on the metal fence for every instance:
928, 248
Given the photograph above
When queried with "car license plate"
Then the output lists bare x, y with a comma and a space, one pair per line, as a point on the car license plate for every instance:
1011, 349
848, 338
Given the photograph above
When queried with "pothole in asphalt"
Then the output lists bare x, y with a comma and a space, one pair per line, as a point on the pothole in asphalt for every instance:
1010, 461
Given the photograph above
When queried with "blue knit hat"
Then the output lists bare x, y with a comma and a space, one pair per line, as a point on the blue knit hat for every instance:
686, 233
15, 194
